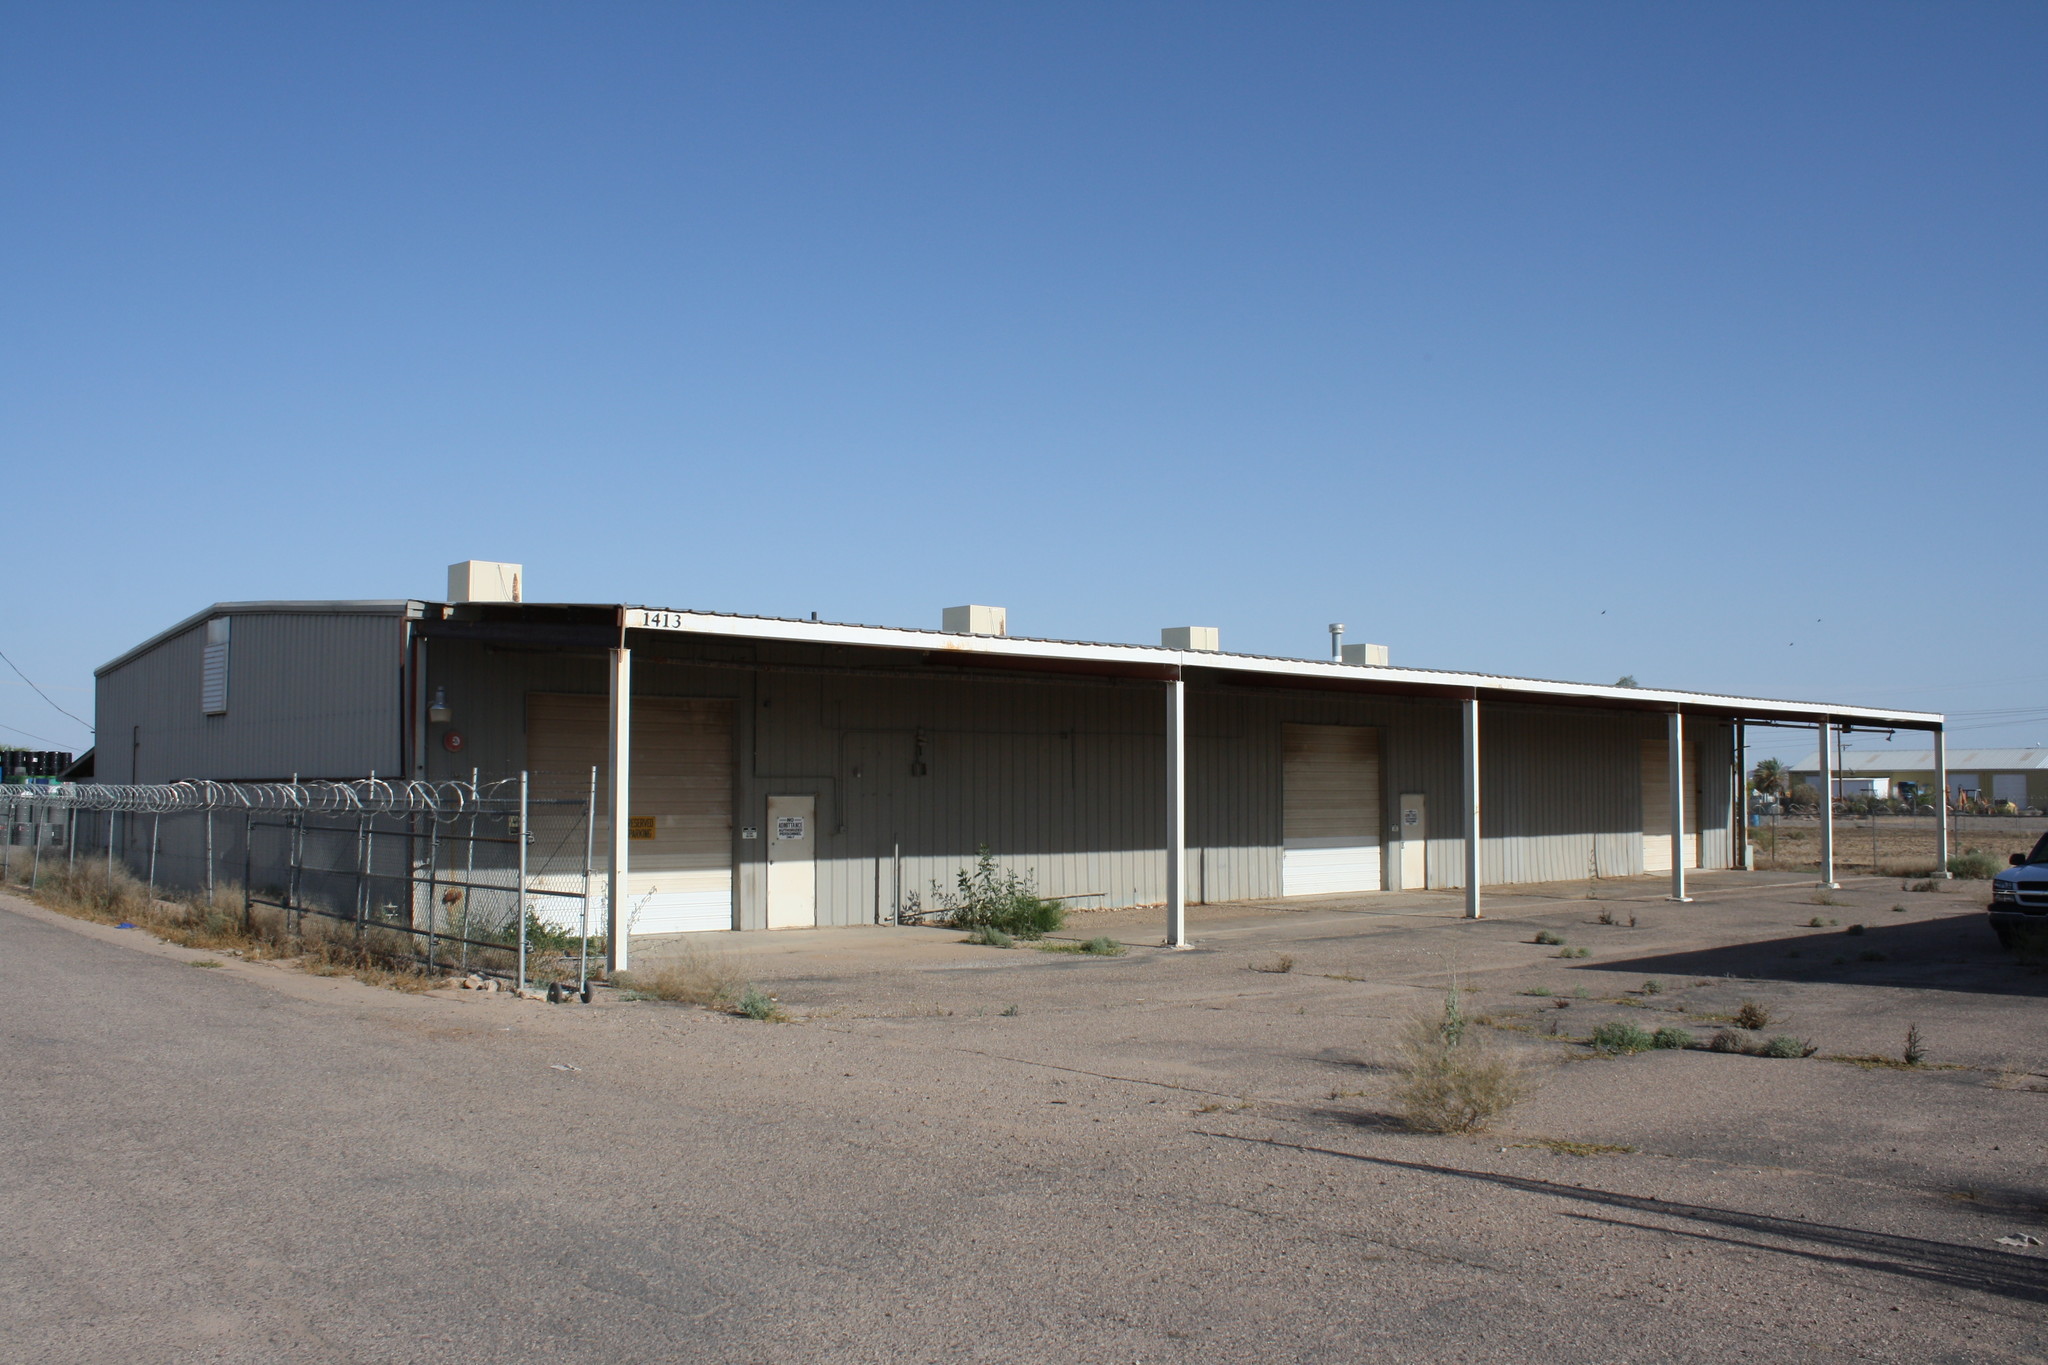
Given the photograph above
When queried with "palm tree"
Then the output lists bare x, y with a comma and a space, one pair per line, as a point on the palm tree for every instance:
1771, 778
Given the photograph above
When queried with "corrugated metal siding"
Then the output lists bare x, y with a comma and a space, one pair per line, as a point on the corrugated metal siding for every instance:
1064, 780
319, 695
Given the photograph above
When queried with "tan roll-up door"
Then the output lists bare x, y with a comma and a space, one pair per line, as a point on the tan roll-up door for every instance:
1330, 809
1657, 805
680, 850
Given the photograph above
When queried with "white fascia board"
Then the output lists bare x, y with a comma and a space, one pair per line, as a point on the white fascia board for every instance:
999, 646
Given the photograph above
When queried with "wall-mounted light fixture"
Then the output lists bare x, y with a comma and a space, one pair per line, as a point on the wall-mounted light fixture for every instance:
440, 713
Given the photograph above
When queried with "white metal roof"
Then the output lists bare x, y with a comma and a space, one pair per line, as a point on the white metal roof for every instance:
1024, 649
1890, 760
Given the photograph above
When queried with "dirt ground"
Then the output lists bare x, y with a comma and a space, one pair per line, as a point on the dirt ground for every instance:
1903, 845
950, 1152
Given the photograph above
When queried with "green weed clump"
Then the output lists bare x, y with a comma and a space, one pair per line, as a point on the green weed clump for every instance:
988, 936
1653, 987
988, 897
1537, 990
756, 1003
1671, 1036
1973, 865
1548, 938
1452, 1079
1785, 1045
1621, 1035
1102, 945
1573, 952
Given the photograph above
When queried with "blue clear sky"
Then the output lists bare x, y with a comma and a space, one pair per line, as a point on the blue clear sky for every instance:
1702, 343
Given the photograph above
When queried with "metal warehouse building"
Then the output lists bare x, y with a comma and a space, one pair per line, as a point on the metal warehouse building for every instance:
776, 773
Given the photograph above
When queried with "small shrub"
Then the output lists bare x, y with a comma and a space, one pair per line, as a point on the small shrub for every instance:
1012, 1012
1605, 917
1785, 1045
1670, 1036
1728, 1040
1574, 952
1537, 990
1823, 898
1620, 1035
1916, 1051
1548, 938
1102, 945
1581, 993
1853, 929
1898, 909
1924, 884
988, 936
1452, 1080
1816, 923
1653, 987
1282, 964
988, 897
756, 1003
1751, 1015
1973, 865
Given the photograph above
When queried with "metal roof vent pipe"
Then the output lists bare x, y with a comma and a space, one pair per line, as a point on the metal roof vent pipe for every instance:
1368, 656
485, 580
1206, 638
1336, 642
976, 621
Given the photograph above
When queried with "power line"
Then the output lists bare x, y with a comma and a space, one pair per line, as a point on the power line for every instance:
44, 695
19, 731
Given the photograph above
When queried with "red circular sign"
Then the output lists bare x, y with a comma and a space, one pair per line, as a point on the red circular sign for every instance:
452, 741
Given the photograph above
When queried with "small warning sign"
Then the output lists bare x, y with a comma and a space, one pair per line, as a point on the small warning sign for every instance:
639, 827
789, 827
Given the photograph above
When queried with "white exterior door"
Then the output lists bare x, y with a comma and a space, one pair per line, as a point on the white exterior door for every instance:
1330, 809
792, 862
1414, 841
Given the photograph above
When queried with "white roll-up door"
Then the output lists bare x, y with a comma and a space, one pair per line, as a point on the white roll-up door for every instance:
1331, 810
679, 849
1657, 805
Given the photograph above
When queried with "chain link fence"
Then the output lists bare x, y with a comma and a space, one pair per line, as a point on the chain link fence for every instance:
478, 876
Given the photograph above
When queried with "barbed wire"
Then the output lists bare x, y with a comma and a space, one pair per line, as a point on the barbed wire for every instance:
367, 796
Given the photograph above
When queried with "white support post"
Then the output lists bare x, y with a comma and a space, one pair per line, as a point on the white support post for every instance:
1471, 794
1827, 806
1176, 815
1675, 734
619, 733
1941, 803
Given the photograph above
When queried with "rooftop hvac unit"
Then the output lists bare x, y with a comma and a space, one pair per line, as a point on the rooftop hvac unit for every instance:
976, 621
484, 580
1207, 638
1372, 656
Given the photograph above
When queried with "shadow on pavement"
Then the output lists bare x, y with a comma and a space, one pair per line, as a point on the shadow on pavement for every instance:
1956, 953
1990, 1270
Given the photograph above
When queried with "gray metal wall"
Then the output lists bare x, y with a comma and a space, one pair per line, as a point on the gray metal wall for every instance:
317, 694
1063, 778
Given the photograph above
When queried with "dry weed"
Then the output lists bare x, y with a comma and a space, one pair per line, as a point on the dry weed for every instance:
1453, 1079
698, 976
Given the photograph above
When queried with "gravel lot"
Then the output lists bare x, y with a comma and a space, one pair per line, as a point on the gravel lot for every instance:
1165, 1156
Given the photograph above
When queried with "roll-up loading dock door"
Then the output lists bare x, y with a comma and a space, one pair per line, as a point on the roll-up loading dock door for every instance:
679, 849
1657, 805
1330, 809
